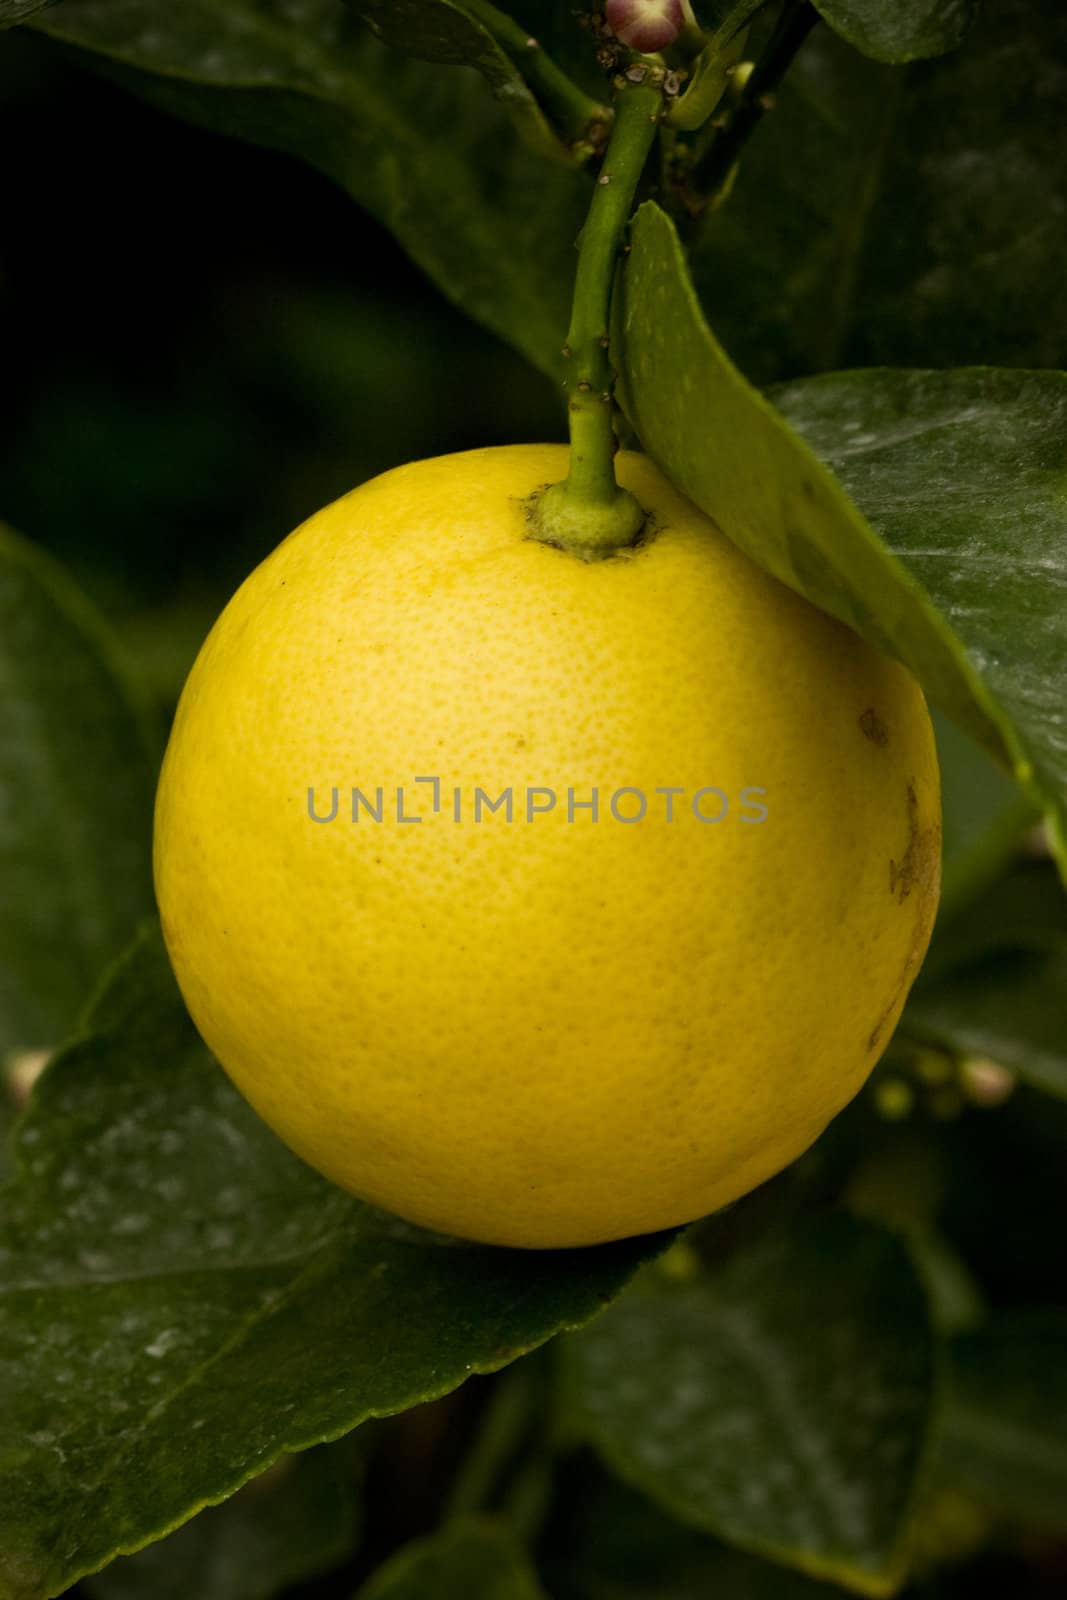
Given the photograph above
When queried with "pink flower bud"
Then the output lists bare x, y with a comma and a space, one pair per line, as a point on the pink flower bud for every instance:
986, 1082
645, 25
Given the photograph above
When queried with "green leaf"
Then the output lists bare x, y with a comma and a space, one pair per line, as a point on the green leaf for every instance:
298, 1520
454, 33
783, 1402
996, 984
620, 1546
447, 33
183, 1300
469, 1560
964, 476
15, 11
952, 559
428, 152
900, 216
1004, 1433
76, 783
904, 30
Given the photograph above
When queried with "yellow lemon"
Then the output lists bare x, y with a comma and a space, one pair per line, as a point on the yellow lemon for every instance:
539, 901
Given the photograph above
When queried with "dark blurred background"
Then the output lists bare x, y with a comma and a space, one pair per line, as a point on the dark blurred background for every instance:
202, 343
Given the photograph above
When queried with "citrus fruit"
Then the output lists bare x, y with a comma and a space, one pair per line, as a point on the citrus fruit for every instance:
618, 1000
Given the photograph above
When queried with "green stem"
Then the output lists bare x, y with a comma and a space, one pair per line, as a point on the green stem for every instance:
588, 513
577, 117
711, 74
592, 474
505, 1422
711, 69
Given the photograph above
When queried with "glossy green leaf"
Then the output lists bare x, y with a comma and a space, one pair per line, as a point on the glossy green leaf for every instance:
783, 1402
964, 476
950, 553
902, 216
468, 1560
1004, 1436
427, 151
300, 1519
996, 985
183, 1300
76, 784
904, 30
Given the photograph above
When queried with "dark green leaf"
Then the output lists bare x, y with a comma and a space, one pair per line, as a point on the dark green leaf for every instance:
454, 33
438, 30
1004, 1434
76, 783
620, 1546
782, 1402
959, 570
427, 151
469, 1560
14, 11
903, 30
901, 216
183, 1300
964, 476
296, 1521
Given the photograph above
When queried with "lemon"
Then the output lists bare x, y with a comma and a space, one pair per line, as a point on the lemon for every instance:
539, 901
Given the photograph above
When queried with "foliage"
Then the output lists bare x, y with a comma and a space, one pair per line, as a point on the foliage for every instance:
899, 216
854, 1377
901, 32
172, 1272
713, 1396
297, 1520
977, 452
76, 776
491, 223
468, 1561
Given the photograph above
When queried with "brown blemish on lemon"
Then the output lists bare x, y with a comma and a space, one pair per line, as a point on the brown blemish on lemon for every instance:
873, 728
919, 870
